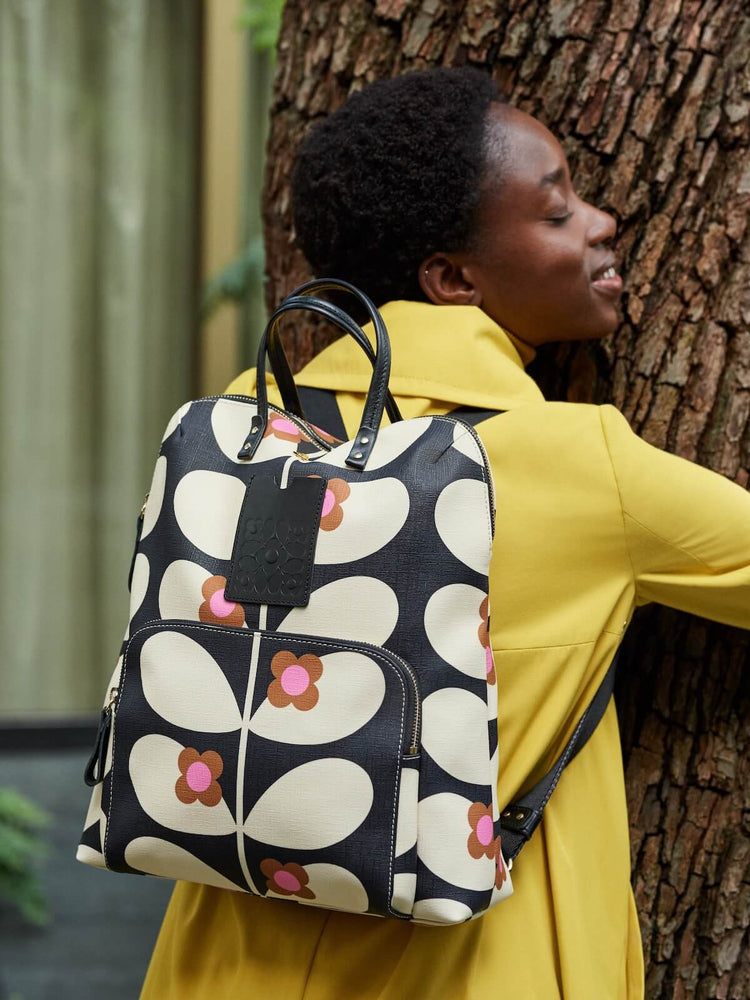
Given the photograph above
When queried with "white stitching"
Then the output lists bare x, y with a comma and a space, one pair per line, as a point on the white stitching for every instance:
242, 633
488, 514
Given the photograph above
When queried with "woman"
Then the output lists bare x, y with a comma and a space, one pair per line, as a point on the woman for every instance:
457, 214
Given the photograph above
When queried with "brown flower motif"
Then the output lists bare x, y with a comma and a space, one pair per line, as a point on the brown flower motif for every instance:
482, 840
500, 871
197, 780
484, 637
216, 609
295, 681
332, 514
286, 880
279, 426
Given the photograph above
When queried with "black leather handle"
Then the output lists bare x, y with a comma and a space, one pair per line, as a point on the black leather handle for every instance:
378, 390
283, 373
339, 285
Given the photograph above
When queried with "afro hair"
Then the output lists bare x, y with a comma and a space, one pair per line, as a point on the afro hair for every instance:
392, 176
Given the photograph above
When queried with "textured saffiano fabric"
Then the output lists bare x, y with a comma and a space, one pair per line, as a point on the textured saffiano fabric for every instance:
591, 522
354, 730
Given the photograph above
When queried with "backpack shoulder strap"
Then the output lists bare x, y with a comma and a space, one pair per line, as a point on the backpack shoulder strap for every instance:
471, 415
321, 407
519, 820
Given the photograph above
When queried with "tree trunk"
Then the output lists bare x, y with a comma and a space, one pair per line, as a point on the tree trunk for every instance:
651, 103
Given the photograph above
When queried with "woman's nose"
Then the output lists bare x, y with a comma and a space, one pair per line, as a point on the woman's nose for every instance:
603, 226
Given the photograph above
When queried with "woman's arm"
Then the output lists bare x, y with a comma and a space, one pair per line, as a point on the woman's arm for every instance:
687, 528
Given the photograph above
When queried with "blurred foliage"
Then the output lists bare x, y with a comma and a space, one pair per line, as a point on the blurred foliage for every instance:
20, 848
263, 19
233, 281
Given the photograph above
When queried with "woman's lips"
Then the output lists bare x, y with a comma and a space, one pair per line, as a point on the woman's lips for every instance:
610, 283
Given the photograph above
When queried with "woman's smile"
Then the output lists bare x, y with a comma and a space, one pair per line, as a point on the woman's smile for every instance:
606, 280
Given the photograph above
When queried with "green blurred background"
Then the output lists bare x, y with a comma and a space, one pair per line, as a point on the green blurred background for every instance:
131, 156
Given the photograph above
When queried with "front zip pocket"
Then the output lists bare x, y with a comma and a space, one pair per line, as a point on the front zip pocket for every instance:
265, 762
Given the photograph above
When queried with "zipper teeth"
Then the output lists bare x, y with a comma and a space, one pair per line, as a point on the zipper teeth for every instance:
412, 677
297, 421
408, 670
488, 470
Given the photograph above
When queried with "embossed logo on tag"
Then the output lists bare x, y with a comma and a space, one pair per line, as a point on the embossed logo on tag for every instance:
274, 547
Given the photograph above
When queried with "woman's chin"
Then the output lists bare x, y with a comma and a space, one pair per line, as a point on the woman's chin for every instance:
602, 326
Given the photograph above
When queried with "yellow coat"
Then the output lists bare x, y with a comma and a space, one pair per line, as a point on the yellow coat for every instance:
591, 522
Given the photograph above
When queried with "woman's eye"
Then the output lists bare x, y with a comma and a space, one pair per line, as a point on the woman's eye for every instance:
559, 220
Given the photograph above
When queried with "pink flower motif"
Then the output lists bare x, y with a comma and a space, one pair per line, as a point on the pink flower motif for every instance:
198, 774
482, 841
484, 637
216, 609
295, 681
286, 880
284, 429
332, 514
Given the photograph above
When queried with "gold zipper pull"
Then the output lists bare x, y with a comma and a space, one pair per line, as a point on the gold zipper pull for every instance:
143, 508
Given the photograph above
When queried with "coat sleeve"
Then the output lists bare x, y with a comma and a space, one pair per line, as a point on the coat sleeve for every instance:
687, 529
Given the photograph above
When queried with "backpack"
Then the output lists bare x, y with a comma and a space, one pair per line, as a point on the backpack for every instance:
305, 704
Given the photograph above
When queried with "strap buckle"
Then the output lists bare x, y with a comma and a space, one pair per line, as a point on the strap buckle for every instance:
515, 818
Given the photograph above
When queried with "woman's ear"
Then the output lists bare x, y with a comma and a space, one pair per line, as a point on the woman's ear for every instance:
447, 282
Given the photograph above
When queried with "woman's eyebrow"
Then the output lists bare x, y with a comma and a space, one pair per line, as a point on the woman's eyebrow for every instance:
553, 178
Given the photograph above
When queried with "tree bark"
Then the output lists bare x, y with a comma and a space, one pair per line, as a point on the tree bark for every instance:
651, 103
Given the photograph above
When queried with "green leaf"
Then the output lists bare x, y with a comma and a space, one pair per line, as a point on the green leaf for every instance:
17, 810
18, 847
233, 281
24, 891
263, 19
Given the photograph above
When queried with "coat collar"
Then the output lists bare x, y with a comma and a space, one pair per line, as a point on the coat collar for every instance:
455, 354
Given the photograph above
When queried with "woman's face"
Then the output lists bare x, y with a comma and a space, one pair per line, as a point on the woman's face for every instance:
541, 252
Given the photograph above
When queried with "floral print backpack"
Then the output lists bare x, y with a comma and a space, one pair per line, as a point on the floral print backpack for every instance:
305, 706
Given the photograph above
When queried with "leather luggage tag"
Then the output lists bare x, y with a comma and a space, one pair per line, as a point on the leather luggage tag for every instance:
274, 547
